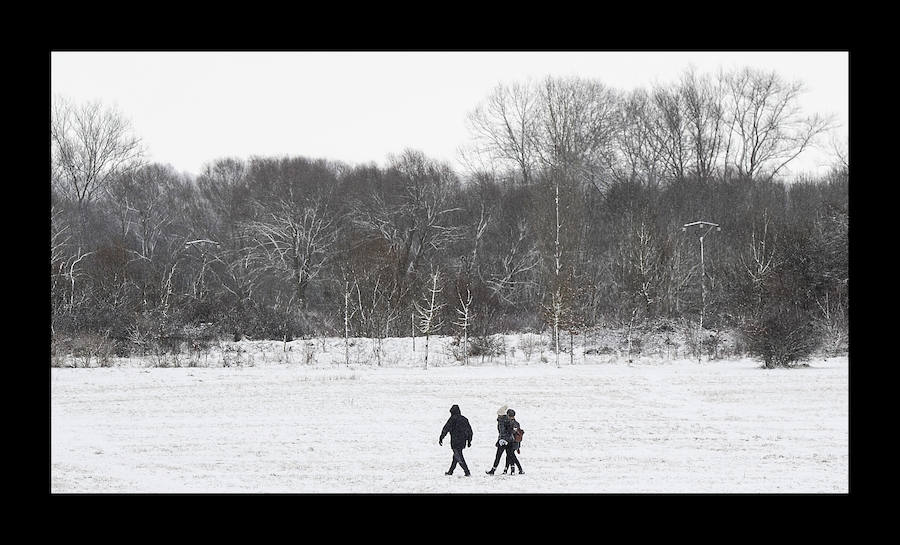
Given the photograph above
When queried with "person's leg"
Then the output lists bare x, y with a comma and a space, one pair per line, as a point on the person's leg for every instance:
497, 456
458, 456
515, 459
496, 461
511, 459
452, 464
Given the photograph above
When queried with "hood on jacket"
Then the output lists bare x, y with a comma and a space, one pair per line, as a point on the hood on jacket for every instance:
454, 409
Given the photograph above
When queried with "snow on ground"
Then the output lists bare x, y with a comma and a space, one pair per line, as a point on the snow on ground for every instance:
284, 427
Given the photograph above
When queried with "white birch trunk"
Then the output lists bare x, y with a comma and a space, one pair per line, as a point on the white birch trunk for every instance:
347, 324
557, 302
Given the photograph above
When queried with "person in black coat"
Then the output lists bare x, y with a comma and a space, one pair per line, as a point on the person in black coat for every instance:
504, 438
460, 435
511, 458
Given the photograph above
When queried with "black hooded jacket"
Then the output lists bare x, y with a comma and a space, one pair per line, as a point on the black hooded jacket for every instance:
504, 429
459, 429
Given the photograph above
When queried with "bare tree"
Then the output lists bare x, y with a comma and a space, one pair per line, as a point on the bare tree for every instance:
145, 196
516, 258
639, 155
579, 122
477, 234
557, 295
429, 320
577, 128
204, 252
762, 258
59, 241
348, 316
840, 152
149, 204
768, 127
504, 126
73, 273
669, 129
416, 220
572, 318
90, 145
293, 240
703, 100
553, 313
224, 185
463, 320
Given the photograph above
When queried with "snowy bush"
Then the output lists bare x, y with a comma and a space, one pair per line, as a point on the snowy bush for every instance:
670, 345
528, 343
664, 326
158, 355
58, 351
692, 336
86, 350
309, 352
832, 324
455, 349
485, 346
235, 356
835, 339
600, 351
633, 345
781, 336
711, 343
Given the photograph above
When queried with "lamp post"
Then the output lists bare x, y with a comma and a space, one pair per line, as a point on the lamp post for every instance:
710, 226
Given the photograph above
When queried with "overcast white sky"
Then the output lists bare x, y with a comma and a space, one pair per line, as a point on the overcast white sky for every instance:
190, 108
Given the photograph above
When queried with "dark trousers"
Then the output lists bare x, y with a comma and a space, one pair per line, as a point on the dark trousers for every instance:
458, 459
500, 451
511, 457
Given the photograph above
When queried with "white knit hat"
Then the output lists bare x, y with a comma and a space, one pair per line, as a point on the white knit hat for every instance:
502, 410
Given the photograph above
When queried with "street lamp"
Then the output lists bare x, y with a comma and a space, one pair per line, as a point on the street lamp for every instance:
710, 226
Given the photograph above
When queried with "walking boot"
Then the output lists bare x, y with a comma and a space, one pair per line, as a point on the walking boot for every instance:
491, 472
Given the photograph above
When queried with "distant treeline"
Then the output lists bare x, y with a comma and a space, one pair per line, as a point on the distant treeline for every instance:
571, 215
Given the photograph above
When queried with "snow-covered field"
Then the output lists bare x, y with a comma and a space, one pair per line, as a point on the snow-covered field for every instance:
282, 427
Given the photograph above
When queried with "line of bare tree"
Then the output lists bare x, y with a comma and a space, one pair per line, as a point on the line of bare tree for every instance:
569, 216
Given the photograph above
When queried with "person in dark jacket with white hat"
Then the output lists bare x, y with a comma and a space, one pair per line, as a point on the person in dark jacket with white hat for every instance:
504, 438
460, 435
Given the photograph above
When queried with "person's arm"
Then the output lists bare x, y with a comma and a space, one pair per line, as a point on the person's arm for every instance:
445, 430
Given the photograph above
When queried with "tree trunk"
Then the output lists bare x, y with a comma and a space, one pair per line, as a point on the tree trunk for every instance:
571, 348
347, 324
557, 302
466, 346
